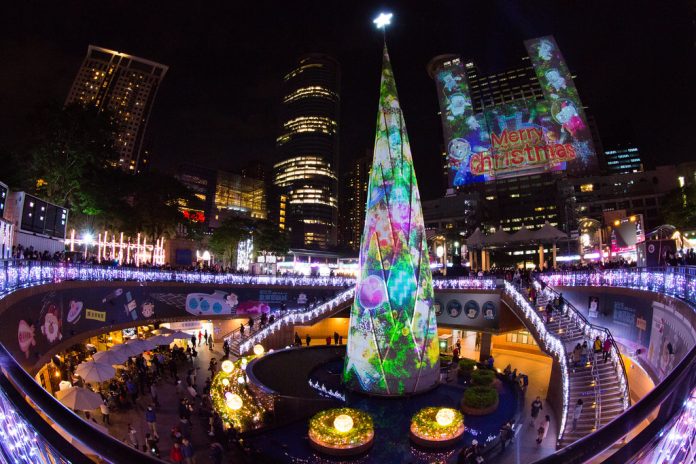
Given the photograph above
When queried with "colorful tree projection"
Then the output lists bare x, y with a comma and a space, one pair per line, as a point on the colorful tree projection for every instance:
392, 342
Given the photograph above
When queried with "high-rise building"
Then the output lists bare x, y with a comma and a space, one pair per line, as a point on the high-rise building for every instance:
306, 170
353, 200
126, 86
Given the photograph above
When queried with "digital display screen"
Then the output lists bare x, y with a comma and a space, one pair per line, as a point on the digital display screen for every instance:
626, 233
44, 218
518, 138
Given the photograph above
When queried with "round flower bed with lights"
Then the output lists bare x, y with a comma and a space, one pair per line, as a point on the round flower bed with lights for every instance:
341, 431
437, 427
479, 401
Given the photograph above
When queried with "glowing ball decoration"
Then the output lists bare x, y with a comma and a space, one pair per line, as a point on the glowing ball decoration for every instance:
341, 432
343, 423
226, 382
258, 349
227, 366
445, 417
233, 401
437, 427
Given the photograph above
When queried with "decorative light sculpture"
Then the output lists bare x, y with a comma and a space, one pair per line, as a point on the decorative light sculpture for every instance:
227, 366
343, 423
445, 416
233, 401
258, 350
392, 342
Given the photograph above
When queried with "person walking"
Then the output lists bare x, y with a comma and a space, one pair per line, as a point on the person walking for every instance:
216, 452
104, 408
175, 453
335, 338
597, 346
537, 406
193, 340
577, 412
584, 351
308, 339
298, 340
187, 451
151, 419
132, 437
505, 434
606, 349
153, 394
241, 330
540, 434
200, 335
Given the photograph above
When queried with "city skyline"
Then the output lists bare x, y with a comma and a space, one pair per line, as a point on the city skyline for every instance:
219, 103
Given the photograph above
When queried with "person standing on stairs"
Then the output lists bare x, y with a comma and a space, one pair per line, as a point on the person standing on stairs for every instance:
577, 412
606, 349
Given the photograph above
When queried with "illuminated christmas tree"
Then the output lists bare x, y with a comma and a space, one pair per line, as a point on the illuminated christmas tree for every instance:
392, 342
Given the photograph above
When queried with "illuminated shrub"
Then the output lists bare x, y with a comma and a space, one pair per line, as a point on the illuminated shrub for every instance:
480, 397
482, 377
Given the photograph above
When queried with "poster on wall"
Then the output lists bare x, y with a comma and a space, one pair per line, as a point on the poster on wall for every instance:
593, 307
470, 311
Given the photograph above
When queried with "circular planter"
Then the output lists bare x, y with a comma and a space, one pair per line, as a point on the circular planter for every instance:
325, 437
345, 450
480, 411
430, 443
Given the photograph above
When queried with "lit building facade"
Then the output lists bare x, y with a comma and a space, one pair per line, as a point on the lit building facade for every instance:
305, 173
519, 83
354, 198
219, 195
126, 86
622, 160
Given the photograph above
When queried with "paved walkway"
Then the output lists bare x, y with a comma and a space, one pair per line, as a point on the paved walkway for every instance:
168, 412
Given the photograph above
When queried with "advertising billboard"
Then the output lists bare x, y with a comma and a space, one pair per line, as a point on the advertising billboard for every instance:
626, 233
519, 138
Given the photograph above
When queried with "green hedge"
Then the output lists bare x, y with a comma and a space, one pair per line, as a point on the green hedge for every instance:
480, 397
466, 364
482, 377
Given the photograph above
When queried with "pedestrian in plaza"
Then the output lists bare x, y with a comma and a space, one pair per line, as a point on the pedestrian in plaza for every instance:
506, 432
105, 413
216, 453
132, 391
241, 330
205, 336
151, 443
298, 340
540, 434
308, 339
200, 335
153, 394
151, 419
328, 340
132, 437
210, 342
175, 453
490, 362
187, 451
226, 348
577, 354
537, 406
193, 340
335, 338
251, 324
606, 349
577, 412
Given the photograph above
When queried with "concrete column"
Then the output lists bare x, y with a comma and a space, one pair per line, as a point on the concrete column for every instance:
541, 257
554, 254
485, 352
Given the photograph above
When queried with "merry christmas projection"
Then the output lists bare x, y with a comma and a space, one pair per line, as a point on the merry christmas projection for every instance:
392, 342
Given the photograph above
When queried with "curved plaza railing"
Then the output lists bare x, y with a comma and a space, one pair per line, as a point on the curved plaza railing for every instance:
669, 395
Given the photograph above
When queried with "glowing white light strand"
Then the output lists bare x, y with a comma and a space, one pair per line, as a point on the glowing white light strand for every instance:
552, 344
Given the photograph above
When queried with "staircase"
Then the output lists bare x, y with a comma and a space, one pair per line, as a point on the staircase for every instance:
601, 386
242, 345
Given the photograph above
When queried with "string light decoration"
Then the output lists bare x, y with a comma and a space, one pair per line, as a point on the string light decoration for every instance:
551, 343
436, 427
341, 431
20, 274
678, 439
237, 405
20, 442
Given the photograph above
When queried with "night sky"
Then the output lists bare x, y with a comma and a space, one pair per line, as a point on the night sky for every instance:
218, 103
